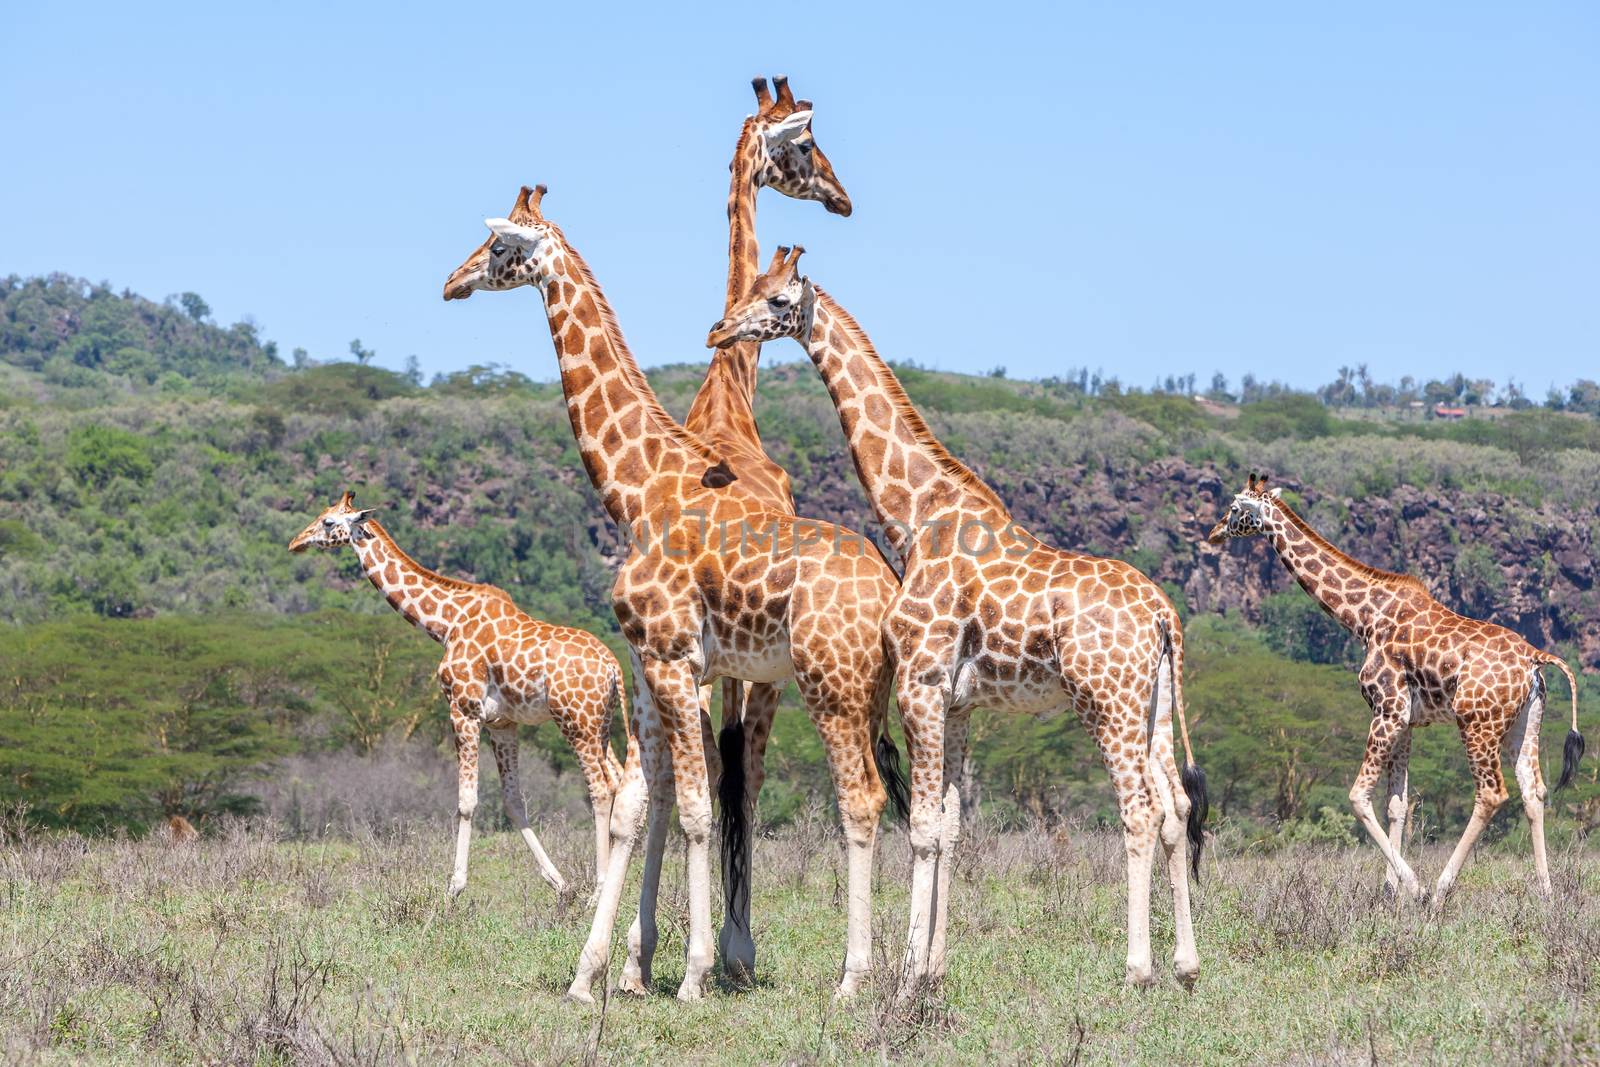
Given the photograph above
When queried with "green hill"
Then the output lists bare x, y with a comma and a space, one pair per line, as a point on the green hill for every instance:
153, 466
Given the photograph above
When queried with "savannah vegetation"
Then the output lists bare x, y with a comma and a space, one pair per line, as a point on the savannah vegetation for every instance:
162, 654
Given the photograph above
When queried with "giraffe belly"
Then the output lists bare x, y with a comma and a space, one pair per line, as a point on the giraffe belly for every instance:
529, 705
769, 661
981, 683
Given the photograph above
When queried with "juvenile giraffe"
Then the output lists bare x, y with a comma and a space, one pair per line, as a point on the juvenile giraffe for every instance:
987, 615
776, 149
500, 668
1425, 664
715, 585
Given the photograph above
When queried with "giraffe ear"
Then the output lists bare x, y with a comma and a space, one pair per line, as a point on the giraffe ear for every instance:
514, 233
1276, 493
787, 128
718, 476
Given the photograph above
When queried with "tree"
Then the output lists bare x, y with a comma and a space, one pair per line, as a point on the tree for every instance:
194, 307
363, 355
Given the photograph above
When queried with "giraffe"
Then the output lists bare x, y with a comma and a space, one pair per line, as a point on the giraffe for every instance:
987, 615
776, 149
715, 585
1424, 664
500, 668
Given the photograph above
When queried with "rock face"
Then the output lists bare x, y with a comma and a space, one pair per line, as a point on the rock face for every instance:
1531, 569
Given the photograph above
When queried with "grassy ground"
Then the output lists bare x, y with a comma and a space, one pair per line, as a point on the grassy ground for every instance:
244, 948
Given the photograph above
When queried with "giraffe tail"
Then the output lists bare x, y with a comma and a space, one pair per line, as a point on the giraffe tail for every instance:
731, 790
1190, 775
1572, 751
886, 756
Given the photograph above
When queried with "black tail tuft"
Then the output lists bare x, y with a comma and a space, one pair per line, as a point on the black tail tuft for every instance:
887, 757
1194, 784
1571, 753
735, 827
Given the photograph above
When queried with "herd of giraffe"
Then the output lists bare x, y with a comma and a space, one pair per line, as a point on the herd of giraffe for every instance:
723, 580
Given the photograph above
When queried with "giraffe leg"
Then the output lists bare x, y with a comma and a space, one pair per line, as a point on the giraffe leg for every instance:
627, 819
585, 723
1524, 744
1174, 802
1482, 739
843, 724
643, 934
956, 742
922, 711
467, 727
736, 941
1140, 831
1399, 772
1390, 720
672, 683
504, 740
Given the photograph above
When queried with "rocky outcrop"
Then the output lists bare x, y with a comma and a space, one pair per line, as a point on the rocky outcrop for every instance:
1531, 569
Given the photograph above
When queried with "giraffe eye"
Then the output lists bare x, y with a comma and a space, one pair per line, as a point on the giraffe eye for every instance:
781, 300
805, 147
497, 250
327, 524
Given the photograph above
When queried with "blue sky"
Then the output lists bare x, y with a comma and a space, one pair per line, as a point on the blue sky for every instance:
1278, 189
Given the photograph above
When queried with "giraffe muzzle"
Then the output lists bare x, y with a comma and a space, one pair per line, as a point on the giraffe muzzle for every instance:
1219, 533
722, 335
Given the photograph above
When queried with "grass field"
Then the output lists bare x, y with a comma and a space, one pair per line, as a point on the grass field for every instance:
244, 948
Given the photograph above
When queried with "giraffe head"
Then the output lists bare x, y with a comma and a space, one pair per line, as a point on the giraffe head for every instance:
1245, 516
340, 524
788, 158
513, 255
778, 304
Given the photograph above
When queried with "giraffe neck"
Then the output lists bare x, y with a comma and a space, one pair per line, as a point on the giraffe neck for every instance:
637, 457
1343, 586
725, 404
428, 601
912, 481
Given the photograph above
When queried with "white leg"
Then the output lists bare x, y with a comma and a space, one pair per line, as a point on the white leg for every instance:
643, 933
466, 732
1399, 803
1483, 752
627, 820
1530, 779
1390, 721
922, 711
1139, 833
1174, 804
955, 754
504, 741
672, 686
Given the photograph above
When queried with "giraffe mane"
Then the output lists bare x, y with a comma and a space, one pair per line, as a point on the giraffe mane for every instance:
457, 584
625, 361
1364, 570
947, 464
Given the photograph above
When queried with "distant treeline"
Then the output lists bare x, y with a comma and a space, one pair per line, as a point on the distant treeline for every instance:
158, 645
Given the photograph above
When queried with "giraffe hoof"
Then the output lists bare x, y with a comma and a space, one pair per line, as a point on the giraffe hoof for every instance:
580, 996
456, 888
1187, 974
1141, 977
690, 992
634, 985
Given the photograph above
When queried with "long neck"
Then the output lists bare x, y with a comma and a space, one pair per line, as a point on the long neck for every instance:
910, 478
429, 601
1343, 586
725, 404
634, 453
